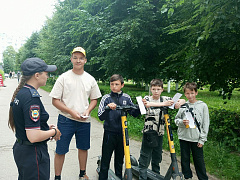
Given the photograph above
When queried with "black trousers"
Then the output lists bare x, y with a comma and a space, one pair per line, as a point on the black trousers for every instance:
32, 161
198, 159
111, 142
147, 155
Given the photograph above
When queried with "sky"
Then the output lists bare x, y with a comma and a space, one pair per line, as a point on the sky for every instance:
23, 17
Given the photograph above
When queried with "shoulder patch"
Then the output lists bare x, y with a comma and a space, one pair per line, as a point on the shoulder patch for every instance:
34, 112
34, 93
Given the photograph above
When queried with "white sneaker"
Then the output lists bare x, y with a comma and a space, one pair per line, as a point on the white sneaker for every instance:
85, 177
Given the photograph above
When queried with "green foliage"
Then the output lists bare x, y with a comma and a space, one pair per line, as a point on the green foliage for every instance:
51, 80
135, 126
9, 56
50, 83
183, 40
224, 127
28, 50
220, 161
208, 43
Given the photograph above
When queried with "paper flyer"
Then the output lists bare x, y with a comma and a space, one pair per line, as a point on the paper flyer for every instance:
141, 105
190, 118
175, 99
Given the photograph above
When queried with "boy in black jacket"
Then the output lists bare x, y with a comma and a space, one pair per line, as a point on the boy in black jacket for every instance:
113, 137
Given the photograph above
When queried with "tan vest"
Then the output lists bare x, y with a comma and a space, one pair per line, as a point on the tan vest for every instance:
154, 119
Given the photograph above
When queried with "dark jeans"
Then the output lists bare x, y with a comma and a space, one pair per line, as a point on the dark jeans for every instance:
111, 142
148, 154
198, 160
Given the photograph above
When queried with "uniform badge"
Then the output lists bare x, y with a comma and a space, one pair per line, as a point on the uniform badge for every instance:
34, 112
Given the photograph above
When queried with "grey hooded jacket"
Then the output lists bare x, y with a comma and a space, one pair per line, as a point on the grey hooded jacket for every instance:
201, 113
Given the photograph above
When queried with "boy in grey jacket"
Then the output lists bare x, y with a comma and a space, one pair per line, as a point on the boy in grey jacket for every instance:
192, 139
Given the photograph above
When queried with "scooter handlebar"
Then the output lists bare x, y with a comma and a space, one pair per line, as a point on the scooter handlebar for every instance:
124, 108
162, 107
166, 107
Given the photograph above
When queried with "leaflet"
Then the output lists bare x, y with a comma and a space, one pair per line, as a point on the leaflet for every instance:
190, 118
175, 99
141, 105
84, 116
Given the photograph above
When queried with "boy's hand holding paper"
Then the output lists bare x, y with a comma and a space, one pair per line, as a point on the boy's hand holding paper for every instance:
191, 120
175, 99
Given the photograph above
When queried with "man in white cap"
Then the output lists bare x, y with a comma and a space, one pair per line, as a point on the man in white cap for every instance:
71, 94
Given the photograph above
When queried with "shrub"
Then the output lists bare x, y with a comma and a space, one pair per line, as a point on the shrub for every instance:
51, 80
224, 127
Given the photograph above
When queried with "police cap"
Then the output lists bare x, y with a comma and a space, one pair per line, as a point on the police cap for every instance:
33, 65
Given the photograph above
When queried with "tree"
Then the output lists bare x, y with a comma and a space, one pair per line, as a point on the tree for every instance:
9, 59
182, 40
28, 50
210, 47
132, 39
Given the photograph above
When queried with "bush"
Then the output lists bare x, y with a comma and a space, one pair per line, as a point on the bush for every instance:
51, 80
224, 127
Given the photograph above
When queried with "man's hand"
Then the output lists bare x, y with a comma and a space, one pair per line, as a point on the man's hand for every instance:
84, 116
75, 114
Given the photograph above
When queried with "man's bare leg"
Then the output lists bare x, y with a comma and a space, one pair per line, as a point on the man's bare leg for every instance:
82, 157
58, 163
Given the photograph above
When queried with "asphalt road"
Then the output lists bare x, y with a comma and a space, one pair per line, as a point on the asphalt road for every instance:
8, 170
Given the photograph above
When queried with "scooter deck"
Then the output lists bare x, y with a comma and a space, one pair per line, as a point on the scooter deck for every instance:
111, 174
150, 174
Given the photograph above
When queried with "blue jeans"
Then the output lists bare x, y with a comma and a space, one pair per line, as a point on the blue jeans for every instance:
147, 154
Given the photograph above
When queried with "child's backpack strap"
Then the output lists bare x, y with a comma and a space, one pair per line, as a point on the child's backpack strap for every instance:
194, 117
160, 121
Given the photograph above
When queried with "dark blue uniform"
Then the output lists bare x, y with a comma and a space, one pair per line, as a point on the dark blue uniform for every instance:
32, 159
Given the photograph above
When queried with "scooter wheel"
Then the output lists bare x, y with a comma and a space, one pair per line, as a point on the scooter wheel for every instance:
133, 161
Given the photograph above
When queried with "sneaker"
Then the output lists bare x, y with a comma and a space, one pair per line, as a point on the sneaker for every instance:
85, 177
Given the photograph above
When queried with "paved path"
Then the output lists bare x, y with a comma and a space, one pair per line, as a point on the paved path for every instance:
8, 170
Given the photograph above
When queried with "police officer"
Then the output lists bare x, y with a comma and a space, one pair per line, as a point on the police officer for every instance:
28, 119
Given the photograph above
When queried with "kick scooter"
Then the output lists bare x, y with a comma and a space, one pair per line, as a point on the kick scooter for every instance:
173, 171
128, 169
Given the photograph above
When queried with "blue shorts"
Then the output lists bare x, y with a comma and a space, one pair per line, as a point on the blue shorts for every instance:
68, 128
